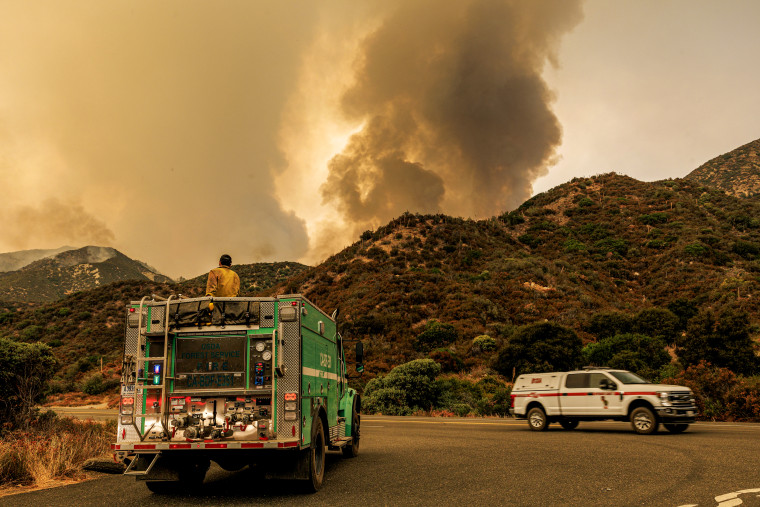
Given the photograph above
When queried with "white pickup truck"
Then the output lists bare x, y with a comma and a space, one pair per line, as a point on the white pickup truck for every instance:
595, 394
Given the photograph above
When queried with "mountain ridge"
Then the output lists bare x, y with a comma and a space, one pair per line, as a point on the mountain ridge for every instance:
52, 277
736, 172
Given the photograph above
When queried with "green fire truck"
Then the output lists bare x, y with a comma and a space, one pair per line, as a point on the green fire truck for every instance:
243, 381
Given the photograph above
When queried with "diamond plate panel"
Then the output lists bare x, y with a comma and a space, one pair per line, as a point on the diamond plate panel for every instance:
291, 381
131, 345
267, 314
157, 318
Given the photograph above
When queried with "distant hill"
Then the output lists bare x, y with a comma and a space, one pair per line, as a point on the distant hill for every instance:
11, 261
51, 278
736, 172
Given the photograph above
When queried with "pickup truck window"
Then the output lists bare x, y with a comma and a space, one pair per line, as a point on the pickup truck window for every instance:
626, 377
595, 378
576, 380
584, 380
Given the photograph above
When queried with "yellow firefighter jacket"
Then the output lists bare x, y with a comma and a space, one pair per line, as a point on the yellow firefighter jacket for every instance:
222, 283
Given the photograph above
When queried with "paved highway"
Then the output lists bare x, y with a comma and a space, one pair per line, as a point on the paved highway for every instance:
423, 461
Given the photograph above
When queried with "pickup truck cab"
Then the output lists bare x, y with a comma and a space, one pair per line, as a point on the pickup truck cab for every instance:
595, 394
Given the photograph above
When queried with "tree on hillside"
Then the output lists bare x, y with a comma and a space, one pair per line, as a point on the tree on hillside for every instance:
539, 347
684, 310
436, 335
26, 369
638, 353
607, 324
657, 323
723, 341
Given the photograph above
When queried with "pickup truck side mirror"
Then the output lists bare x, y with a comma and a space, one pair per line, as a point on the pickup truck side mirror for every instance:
607, 384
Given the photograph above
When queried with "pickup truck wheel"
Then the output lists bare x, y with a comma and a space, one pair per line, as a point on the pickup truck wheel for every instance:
351, 450
643, 421
569, 424
537, 419
676, 428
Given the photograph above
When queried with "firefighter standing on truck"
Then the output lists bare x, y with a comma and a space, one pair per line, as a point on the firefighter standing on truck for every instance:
222, 281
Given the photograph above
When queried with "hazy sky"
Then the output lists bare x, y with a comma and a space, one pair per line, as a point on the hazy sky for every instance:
179, 130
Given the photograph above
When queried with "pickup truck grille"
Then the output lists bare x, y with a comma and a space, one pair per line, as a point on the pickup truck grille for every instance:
681, 398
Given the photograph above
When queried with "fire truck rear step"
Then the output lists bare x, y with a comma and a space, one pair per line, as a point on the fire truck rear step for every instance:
142, 464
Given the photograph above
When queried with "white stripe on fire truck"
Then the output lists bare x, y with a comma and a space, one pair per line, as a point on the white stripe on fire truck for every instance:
319, 373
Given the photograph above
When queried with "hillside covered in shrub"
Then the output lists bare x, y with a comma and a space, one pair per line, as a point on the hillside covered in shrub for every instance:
670, 268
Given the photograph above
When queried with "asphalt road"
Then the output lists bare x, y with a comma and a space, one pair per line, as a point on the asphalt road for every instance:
423, 461
96, 414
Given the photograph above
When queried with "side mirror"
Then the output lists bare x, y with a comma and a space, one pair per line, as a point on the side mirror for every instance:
359, 353
607, 384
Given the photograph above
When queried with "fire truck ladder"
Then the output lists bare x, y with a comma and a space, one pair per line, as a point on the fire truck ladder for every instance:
142, 365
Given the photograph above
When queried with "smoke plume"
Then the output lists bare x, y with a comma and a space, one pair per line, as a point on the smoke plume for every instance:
456, 116
53, 222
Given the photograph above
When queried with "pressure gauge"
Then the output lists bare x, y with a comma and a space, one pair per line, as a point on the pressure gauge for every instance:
266, 356
260, 346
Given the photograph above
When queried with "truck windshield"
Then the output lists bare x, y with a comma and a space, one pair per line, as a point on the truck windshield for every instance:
626, 377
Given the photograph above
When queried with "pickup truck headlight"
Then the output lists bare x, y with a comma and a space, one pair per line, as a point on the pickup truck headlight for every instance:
664, 398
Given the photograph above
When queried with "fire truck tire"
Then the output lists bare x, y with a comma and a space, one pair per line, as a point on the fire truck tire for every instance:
537, 419
569, 424
351, 450
643, 421
676, 428
316, 456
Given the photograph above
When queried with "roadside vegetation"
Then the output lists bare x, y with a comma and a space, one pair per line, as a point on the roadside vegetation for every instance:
50, 450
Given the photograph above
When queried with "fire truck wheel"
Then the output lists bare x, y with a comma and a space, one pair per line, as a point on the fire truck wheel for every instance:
643, 421
316, 455
351, 450
537, 419
569, 424
676, 428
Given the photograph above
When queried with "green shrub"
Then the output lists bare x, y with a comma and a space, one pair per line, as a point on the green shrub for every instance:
697, 250
26, 369
483, 343
96, 384
436, 335
530, 240
32, 333
458, 396
573, 245
407, 388
654, 218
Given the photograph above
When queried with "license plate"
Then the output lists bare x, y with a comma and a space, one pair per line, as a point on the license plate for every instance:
690, 413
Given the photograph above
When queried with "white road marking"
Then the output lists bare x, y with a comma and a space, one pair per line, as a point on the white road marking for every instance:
729, 499
732, 499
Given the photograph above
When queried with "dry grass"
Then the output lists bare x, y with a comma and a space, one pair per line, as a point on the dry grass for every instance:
53, 449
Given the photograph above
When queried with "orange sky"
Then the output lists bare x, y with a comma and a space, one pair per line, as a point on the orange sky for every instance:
176, 131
